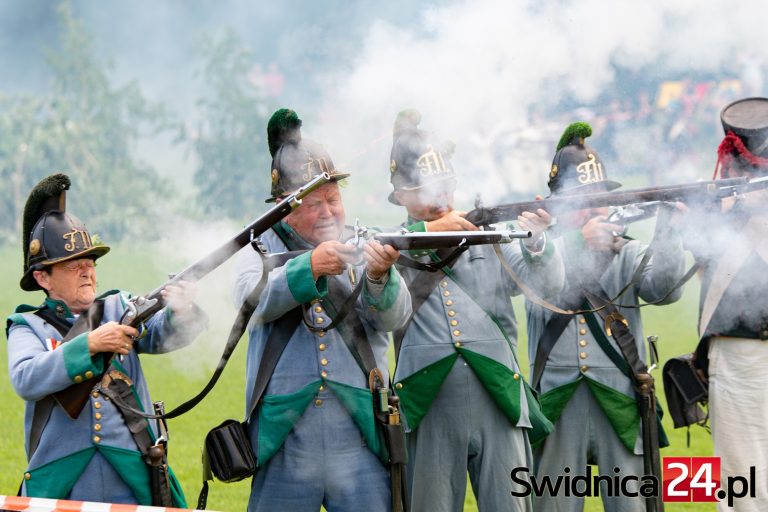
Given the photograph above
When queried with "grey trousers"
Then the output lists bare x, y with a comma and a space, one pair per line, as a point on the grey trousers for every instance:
465, 431
583, 433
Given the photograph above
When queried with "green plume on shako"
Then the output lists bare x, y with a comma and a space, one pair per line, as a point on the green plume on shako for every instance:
576, 167
295, 160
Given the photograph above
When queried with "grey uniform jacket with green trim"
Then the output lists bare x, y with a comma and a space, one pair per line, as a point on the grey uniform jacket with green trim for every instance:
469, 313
39, 366
313, 359
577, 355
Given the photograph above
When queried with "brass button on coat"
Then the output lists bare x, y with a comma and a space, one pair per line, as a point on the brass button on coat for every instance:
449, 302
97, 427
97, 405
456, 332
454, 323
323, 374
95, 394
399, 385
582, 343
516, 376
583, 355
444, 283
584, 369
451, 313
324, 361
97, 415
321, 334
446, 293
321, 346
318, 402
318, 309
27, 476
96, 439
89, 374
78, 379
319, 320
457, 344
582, 320
582, 331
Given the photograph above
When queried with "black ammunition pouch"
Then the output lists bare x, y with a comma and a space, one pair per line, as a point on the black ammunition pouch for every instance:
394, 437
686, 391
227, 453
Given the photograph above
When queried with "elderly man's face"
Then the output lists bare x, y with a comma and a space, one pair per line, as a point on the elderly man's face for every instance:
321, 215
72, 282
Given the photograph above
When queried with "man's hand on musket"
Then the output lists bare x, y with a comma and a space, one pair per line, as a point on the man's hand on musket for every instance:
380, 258
180, 297
332, 257
451, 221
111, 337
537, 223
599, 235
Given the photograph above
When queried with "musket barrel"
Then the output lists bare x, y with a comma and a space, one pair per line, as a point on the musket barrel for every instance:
564, 203
215, 258
442, 239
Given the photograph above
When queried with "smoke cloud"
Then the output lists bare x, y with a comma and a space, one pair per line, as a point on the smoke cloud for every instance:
483, 73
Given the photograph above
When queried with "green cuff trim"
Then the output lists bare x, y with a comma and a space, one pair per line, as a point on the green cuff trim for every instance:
301, 283
545, 255
418, 390
55, 479
419, 227
277, 416
388, 295
359, 404
78, 361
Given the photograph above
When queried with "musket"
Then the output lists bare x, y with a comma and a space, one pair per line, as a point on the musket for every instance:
141, 308
703, 190
404, 240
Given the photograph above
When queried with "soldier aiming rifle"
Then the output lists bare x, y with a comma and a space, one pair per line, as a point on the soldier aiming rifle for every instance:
588, 359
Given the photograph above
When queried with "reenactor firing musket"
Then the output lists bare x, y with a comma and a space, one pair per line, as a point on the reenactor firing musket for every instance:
140, 309
404, 240
635, 202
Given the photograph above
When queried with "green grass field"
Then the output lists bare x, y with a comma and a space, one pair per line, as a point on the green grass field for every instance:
178, 376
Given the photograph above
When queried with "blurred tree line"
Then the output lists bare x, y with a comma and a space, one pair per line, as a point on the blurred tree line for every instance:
89, 128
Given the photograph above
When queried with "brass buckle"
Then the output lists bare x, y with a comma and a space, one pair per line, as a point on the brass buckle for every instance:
614, 317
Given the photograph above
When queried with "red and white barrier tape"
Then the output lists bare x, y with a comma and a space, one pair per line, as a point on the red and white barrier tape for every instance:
23, 504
